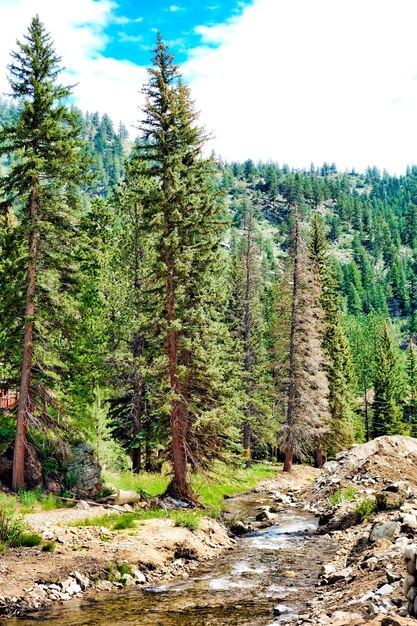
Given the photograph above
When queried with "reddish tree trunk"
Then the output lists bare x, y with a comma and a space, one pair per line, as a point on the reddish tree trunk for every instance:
18, 480
179, 416
319, 460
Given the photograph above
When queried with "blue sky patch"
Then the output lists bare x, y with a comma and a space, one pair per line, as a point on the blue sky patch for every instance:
133, 32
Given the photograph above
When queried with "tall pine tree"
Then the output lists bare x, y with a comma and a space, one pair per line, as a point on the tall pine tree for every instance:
41, 184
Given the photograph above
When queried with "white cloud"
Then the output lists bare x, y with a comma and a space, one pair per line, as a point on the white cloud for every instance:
299, 81
78, 29
174, 8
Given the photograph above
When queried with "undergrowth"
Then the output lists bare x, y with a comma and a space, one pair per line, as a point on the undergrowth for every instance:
341, 495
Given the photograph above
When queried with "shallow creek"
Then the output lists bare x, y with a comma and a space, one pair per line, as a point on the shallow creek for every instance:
240, 588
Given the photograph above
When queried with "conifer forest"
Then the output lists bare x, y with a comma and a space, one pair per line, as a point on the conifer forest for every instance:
177, 311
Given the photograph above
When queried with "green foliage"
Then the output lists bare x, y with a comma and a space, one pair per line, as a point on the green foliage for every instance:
49, 546
12, 528
187, 519
339, 496
365, 509
124, 521
28, 498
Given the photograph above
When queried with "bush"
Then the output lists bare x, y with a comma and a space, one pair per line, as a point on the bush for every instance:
27, 540
27, 498
48, 503
12, 527
49, 546
365, 509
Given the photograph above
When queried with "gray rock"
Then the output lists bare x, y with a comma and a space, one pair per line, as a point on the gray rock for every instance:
385, 590
47, 535
392, 576
127, 580
373, 609
411, 567
82, 580
281, 609
384, 530
368, 596
408, 583
327, 569
410, 553
139, 576
82, 505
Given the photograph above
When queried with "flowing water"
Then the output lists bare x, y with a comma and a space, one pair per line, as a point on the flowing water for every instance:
240, 588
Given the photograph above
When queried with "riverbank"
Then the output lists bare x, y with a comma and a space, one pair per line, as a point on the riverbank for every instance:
98, 556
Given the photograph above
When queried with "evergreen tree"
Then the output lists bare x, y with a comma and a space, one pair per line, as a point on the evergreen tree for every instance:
36, 305
339, 366
308, 391
389, 388
184, 233
411, 409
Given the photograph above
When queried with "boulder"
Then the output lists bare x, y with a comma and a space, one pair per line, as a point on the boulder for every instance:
84, 471
384, 530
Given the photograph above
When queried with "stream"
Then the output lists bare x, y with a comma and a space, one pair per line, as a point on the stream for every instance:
278, 565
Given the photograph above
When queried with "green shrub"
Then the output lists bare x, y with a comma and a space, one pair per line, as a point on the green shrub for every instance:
186, 519
339, 496
49, 546
27, 540
27, 498
124, 568
48, 503
365, 509
12, 527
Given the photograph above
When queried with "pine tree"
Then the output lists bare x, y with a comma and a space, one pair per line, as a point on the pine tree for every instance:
411, 409
389, 389
339, 366
41, 182
308, 395
184, 233
249, 326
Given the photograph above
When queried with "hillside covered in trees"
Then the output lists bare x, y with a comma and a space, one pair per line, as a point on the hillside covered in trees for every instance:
170, 307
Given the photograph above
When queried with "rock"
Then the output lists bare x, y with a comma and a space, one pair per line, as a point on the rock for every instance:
383, 530
373, 609
368, 596
331, 467
82, 505
385, 590
407, 584
84, 471
82, 580
410, 520
263, 515
289, 574
281, 609
392, 576
411, 567
342, 574
127, 580
139, 576
70, 586
410, 553
47, 535
327, 570
412, 594
345, 616
239, 528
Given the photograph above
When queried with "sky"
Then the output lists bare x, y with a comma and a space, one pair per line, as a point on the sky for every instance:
289, 81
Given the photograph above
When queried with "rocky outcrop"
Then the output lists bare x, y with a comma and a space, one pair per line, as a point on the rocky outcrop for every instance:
83, 471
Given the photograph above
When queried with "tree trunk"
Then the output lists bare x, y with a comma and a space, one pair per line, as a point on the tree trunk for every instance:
23, 410
289, 448
248, 357
179, 417
318, 460
137, 405
247, 433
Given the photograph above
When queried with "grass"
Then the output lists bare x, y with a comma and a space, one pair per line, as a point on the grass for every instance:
341, 495
211, 490
187, 519
150, 484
